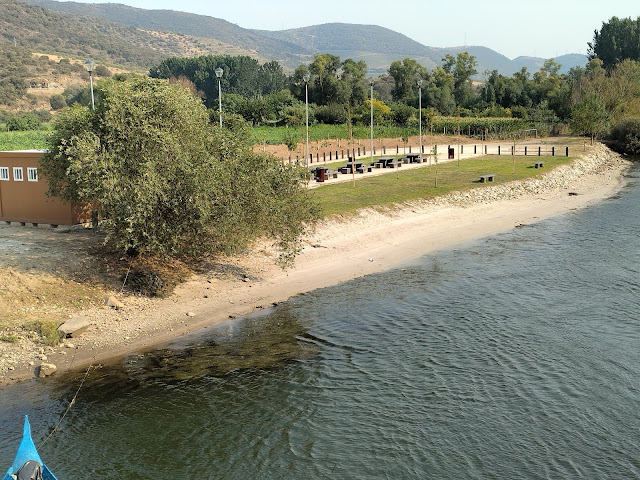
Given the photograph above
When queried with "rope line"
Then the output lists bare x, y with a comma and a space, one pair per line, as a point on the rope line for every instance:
71, 403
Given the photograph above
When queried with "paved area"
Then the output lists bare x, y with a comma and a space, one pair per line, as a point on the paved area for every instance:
460, 151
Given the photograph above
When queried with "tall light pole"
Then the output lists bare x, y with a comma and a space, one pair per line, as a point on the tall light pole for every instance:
219, 73
371, 83
419, 82
306, 78
88, 65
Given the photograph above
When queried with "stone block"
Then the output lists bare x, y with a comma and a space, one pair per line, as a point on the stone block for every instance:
74, 327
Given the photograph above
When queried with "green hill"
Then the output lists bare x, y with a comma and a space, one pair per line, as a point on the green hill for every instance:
376, 45
189, 24
51, 32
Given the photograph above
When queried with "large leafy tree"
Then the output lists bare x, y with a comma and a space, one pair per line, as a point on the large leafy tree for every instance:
590, 116
351, 87
462, 67
617, 40
438, 92
405, 73
323, 88
242, 75
168, 182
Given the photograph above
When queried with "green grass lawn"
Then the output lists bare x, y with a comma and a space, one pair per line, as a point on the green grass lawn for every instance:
400, 186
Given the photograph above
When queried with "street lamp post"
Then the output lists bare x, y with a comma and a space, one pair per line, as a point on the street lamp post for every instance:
88, 65
419, 82
306, 78
219, 73
371, 83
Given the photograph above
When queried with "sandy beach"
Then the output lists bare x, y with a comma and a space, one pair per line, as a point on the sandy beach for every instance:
339, 250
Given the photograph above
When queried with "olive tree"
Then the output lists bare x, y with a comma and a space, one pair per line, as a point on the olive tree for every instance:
168, 182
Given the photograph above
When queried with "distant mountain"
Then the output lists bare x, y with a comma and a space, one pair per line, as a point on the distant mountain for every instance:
376, 45
186, 24
534, 64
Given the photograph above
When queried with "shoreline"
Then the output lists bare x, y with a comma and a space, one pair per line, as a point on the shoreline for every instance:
380, 240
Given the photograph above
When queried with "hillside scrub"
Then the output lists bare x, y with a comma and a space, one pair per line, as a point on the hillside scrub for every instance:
166, 181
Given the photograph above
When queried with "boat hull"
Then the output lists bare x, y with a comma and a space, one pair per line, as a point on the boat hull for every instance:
27, 451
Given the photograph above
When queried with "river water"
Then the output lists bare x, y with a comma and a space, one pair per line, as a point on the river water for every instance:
516, 356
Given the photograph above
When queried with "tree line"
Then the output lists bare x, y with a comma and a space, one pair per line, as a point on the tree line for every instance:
338, 91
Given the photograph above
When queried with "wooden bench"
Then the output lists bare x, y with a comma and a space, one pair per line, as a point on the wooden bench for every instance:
538, 164
487, 178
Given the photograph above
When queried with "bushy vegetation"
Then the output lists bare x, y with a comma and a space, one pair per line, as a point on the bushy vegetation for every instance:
24, 121
625, 136
45, 331
33, 139
168, 182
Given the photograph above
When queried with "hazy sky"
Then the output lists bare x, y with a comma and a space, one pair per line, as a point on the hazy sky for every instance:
541, 28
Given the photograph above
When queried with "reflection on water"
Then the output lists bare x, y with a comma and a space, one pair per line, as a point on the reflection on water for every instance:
260, 342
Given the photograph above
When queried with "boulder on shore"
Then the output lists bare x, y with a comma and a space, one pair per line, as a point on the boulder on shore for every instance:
46, 369
74, 326
113, 302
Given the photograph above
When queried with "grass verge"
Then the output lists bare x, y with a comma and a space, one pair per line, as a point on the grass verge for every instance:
419, 183
46, 331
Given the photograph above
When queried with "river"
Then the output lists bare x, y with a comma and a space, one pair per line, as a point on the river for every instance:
511, 357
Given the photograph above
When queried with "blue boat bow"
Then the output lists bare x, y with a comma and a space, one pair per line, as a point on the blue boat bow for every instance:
27, 451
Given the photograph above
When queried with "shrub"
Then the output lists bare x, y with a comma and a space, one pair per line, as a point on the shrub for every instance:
9, 337
57, 101
77, 94
625, 136
169, 183
400, 114
333, 114
43, 115
150, 283
519, 111
102, 71
23, 122
498, 111
46, 330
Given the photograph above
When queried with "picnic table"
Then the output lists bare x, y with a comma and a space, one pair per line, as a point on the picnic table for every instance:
487, 178
348, 168
381, 162
413, 158
387, 162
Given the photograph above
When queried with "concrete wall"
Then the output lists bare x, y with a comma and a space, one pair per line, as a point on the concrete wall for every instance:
26, 200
